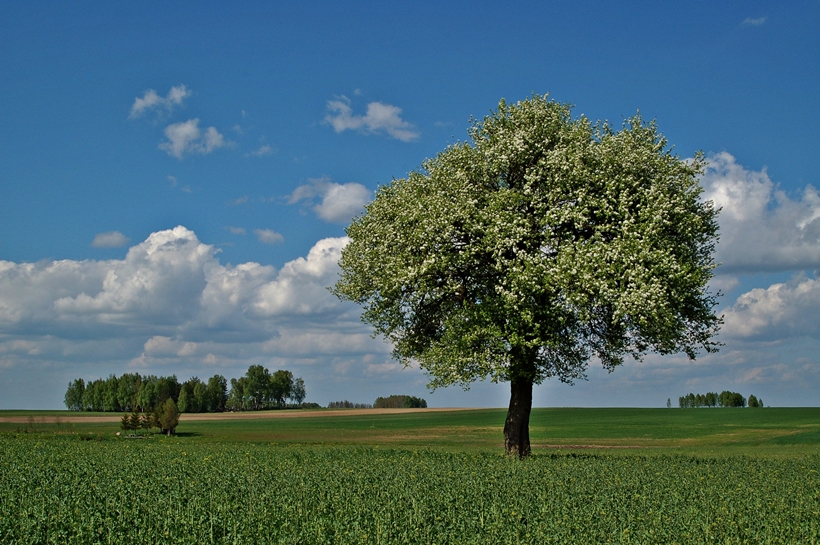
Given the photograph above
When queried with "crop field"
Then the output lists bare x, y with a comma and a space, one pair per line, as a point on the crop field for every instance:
719, 476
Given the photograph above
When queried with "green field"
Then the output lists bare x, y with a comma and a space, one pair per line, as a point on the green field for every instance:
696, 476
749, 431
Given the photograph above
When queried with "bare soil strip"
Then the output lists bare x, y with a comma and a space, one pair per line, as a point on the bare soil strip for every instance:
245, 415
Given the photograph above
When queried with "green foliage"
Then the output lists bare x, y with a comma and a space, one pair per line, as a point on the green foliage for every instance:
281, 387
540, 243
712, 399
400, 402
74, 395
298, 392
348, 405
120, 492
258, 389
731, 399
168, 416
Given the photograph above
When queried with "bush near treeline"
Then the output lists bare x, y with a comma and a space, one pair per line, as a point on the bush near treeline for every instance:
258, 389
723, 399
400, 402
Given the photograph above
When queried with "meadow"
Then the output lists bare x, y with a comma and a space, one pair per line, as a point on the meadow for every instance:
596, 476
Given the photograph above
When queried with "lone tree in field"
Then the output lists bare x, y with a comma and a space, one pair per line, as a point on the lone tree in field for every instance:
541, 243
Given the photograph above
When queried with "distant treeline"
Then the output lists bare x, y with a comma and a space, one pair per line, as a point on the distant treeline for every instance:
392, 402
400, 402
348, 405
258, 389
723, 399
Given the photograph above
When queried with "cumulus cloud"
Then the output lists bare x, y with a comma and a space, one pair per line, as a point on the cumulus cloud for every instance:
150, 100
762, 228
111, 239
337, 203
171, 300
300, 287
186, 138
268, 236
379, 118
780, 311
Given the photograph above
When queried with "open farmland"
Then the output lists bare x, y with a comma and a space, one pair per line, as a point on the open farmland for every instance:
698, 476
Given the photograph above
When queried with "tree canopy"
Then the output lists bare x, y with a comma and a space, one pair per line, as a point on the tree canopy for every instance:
541, 243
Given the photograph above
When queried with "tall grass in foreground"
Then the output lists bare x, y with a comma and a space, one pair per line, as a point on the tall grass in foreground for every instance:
169, 491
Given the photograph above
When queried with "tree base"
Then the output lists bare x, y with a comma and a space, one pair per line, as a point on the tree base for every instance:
517, 425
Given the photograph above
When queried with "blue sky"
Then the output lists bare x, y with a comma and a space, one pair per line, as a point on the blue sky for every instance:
175, 178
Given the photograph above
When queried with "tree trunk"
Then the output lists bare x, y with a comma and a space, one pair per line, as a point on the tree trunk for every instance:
517, 426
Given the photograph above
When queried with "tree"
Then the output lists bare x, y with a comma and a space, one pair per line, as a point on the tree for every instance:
237, 399
216, 393
281, 386
400, 402
184, 405
74, 395
298, 393
541, 243
127, 387
258, 385
168, 415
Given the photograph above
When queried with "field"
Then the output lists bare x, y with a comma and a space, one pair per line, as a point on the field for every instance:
665, 476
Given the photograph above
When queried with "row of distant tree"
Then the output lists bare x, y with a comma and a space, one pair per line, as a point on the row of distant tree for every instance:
723, 399
400, 402
258, 389
390, 402
348, 405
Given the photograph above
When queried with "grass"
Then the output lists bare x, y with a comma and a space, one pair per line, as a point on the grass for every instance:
769, 430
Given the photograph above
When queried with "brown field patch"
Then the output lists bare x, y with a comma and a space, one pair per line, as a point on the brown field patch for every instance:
244, 415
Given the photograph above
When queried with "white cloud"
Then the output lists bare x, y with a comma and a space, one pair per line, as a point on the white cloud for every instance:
111, 239
160, 281
748, 21
380, 117
237, 202
300, 287
151, 100
761, 227
170, 299
237, 230
186, 138
338, 203
262, 151
268, 236
778, 312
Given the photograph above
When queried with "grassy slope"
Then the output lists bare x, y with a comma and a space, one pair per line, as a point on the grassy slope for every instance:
770, 430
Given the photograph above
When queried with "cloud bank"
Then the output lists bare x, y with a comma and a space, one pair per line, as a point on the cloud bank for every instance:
762, 228
171, 301
379, 118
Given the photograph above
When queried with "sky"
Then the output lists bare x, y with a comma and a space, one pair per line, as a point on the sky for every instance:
175, 178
